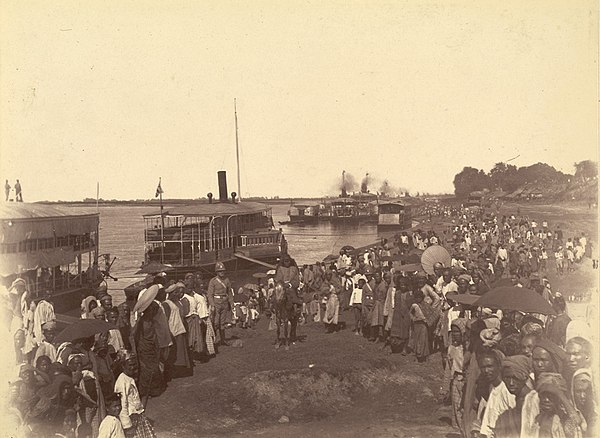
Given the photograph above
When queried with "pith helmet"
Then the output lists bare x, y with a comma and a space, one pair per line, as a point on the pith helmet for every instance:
219, 267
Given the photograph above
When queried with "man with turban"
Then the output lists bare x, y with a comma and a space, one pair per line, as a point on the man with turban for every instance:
515, 374
583, 396
547, 358
557, 415
45, 347
44, 312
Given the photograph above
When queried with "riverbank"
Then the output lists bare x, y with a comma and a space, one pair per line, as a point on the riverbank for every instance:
337, 385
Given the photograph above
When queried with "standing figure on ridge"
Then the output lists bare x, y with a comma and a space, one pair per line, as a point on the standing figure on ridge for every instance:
18, 192
7, 190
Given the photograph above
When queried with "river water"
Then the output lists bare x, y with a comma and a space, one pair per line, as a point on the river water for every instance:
122, 235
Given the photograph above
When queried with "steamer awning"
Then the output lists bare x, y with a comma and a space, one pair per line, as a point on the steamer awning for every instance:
214, 209
41, 236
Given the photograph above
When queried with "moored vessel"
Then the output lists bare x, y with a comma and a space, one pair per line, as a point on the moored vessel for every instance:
53, 249
305, 213
394, 215
194, 237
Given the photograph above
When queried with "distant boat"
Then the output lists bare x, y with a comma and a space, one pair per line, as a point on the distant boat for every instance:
304, 214
394, 215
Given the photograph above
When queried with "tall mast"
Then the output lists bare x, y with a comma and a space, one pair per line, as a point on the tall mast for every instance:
237, 150
162, 223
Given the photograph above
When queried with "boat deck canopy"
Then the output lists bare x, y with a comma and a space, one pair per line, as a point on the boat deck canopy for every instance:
20, 221
42, 236
214, 209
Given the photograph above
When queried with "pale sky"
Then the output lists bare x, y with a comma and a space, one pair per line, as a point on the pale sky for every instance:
411, 91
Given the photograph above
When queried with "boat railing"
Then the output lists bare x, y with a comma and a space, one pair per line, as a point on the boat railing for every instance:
77, 242
62, 282
266, 238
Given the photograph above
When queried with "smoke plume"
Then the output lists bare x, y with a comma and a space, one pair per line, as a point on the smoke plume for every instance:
349, 184
364, 185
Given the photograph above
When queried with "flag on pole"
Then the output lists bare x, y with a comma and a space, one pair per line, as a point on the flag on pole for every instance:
159, 190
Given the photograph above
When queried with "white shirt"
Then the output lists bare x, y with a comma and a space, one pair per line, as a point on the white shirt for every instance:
193, 304
500, 400
111, 428
503, 254
130, 399
356, 297
202, 306
116, 340
443, 288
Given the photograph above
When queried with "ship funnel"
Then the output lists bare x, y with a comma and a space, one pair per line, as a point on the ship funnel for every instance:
222, 177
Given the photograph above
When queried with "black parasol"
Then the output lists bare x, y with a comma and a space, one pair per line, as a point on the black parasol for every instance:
83, 328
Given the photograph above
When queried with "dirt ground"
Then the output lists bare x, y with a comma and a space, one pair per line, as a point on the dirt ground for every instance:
333, 385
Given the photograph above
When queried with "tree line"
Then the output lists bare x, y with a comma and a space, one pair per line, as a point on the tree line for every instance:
508, 178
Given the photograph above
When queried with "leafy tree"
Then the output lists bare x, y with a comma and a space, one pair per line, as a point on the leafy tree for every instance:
505, 176
541, 173
586, 170
470, 180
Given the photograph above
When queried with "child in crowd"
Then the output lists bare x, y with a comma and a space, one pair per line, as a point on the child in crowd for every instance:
132, 416
313, 309
252, 311
69, 425
115, 339
45, 347
454, 372
111, 425
356, 304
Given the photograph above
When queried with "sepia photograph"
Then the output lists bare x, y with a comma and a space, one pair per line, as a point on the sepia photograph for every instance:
298, 219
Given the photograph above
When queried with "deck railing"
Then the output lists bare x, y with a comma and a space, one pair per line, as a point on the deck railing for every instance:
269, 238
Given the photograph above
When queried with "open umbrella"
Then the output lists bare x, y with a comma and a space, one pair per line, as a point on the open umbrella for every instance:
433, 255
83, 328
411, 267
251, 286
502, 282
155, 268
467, 299
348, 248
259, 275
515, 298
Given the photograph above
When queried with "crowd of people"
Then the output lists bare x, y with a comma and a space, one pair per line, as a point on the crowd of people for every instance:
99, 385
505, 373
